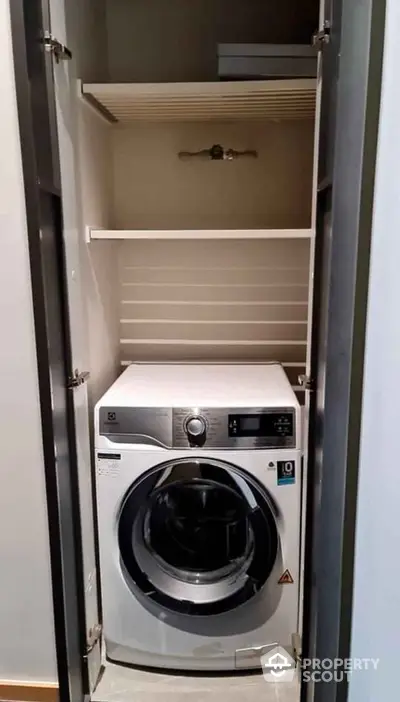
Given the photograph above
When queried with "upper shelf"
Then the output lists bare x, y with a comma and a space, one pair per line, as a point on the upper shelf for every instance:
225, 100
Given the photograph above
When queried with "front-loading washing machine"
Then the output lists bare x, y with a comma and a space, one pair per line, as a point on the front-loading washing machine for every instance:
198, 489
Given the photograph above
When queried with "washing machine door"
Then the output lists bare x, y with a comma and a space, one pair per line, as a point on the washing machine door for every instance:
197, 536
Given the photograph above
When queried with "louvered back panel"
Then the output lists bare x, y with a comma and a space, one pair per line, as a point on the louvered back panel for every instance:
214, 301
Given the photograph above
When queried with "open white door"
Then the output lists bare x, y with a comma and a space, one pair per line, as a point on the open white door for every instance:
66, 113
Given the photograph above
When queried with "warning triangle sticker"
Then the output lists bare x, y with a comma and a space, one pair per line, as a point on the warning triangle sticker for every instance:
286, 578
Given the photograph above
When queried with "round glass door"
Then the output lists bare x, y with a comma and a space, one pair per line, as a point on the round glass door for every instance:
197, 536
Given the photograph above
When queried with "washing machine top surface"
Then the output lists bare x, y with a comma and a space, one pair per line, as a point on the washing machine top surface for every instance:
187, 385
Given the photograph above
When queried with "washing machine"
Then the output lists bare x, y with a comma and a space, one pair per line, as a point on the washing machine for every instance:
198, 486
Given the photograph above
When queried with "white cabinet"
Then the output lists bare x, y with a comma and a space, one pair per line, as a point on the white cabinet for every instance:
154, 190
214, 255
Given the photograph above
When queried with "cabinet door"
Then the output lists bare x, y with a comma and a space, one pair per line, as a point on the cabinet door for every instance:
320, 269
53, 246
323, 118
350, 97
65, 86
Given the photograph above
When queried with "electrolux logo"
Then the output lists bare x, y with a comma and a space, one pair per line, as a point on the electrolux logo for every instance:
111, 416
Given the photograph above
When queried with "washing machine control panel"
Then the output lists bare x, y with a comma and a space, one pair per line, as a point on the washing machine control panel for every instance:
230, 428
200, 427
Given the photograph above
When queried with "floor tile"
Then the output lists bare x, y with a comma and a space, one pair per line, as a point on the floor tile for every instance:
120, 684
288, 691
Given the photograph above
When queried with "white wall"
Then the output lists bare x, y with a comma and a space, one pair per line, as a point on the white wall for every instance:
376, 614
154, 189
27, 645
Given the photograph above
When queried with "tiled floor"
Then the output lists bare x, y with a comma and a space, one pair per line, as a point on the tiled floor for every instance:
119, 684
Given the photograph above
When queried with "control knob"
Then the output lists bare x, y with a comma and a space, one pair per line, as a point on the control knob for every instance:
196, 428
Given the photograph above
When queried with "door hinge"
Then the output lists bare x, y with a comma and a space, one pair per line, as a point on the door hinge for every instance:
322, 37
94, 637
53, 46
306, 382
296, 644
77, 379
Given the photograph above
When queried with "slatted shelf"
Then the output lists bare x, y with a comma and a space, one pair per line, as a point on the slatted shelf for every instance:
225, 100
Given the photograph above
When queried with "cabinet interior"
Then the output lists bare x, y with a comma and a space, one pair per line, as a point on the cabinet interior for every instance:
169, 282
153, 189
150, 41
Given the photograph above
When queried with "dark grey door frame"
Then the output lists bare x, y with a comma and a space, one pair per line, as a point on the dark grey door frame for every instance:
345, 202
41, 169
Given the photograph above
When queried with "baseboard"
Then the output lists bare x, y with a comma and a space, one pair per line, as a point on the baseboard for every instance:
28, 692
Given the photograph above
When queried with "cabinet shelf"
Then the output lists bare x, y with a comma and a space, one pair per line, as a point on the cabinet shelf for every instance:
201, 234
225, 100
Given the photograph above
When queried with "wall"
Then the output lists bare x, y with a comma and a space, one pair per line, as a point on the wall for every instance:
27, 645
215, 300
376, 613
87, 36
155, 40
154, 189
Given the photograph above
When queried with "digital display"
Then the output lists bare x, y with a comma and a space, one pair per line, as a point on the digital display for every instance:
272, 425
249, 423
